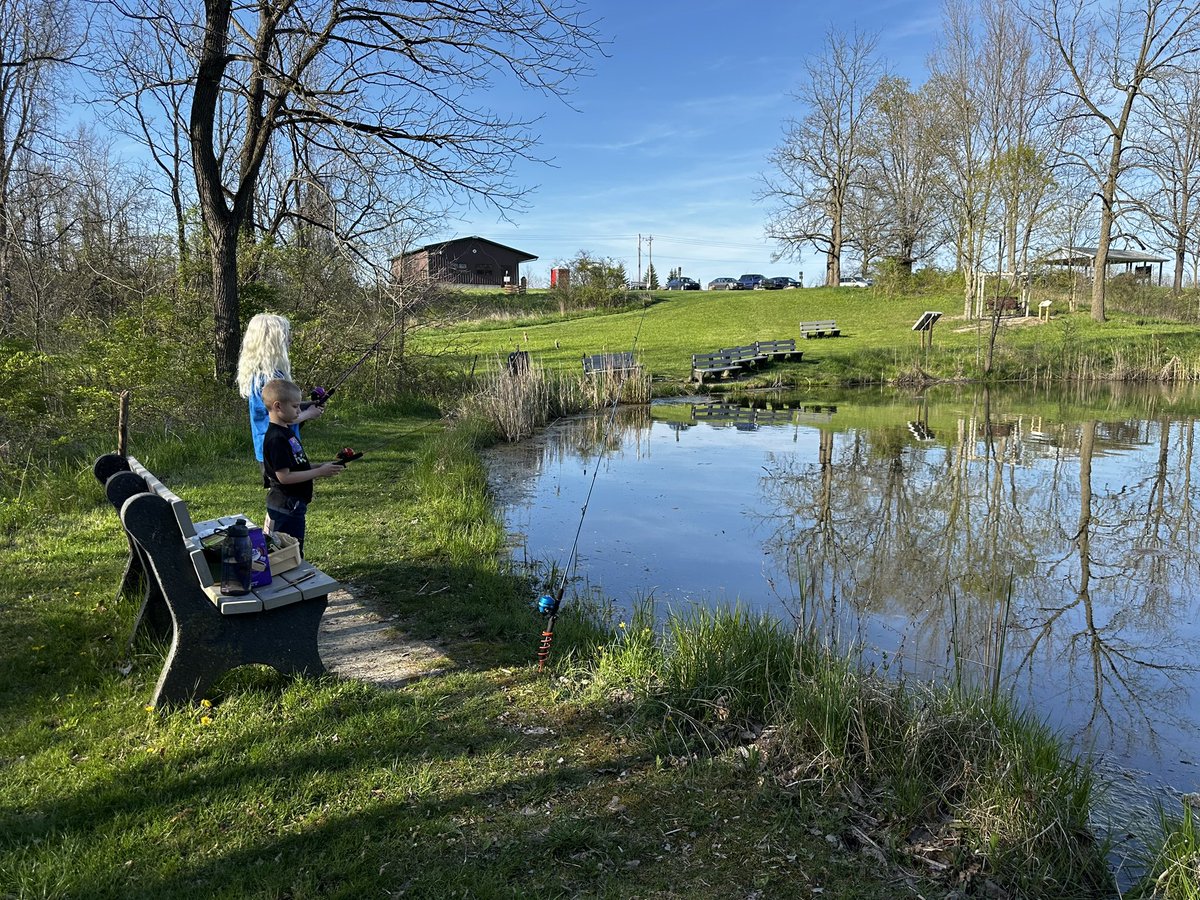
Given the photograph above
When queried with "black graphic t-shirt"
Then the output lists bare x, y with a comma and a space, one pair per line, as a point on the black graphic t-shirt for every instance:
282, 450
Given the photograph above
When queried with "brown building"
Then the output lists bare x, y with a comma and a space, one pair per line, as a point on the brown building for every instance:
468, 260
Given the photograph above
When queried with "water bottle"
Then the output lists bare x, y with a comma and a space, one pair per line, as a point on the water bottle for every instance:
237, 557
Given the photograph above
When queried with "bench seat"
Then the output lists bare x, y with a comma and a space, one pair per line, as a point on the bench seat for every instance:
610, 362
825, 328
210, 632
713, 364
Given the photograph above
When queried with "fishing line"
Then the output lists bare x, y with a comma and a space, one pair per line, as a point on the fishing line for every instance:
548, 604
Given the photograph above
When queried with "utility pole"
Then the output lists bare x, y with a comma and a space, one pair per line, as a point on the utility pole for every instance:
639, 278
650, 252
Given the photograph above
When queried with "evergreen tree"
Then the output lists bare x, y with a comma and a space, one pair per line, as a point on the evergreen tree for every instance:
652, 278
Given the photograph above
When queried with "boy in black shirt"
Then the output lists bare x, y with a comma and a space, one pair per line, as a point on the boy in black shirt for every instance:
289, 475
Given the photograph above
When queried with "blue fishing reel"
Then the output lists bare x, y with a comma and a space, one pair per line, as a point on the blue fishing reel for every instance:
547, 605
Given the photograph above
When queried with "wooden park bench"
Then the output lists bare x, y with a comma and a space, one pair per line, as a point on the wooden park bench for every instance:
746, 355
719, 364
610, 362
784, 348
819, 329
211, 633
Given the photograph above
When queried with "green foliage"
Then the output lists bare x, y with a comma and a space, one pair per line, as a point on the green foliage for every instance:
594, 282
651, 278
1172, 868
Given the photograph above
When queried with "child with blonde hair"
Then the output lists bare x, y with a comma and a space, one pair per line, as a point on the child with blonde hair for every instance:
264, 356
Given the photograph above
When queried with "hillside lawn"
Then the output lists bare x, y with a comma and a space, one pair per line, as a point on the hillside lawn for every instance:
877, 340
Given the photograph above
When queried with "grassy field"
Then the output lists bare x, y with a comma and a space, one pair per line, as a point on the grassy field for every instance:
646, 765
877, 341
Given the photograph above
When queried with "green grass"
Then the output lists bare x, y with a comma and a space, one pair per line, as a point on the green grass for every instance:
718, 758
877, 340
485, 782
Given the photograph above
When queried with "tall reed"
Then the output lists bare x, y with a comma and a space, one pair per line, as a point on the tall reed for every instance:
517, 403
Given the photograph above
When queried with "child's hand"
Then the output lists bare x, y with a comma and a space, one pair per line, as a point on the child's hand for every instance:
329, 469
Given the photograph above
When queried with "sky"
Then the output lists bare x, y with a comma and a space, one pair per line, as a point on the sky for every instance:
669, 137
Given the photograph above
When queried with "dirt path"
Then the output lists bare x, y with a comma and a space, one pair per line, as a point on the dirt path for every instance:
356, 642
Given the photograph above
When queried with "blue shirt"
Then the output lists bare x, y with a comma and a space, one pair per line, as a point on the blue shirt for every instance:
260, 418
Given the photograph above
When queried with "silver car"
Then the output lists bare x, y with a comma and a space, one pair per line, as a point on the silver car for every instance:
722, 284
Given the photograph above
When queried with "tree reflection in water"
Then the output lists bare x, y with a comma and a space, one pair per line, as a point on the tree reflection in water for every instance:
952, 536
919, 547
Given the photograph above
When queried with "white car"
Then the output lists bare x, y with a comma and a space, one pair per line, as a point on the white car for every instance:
855, 281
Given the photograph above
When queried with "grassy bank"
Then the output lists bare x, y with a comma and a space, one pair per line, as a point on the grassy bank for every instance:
877, 342
720, 759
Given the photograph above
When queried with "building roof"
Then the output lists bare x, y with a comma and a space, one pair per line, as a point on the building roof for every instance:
1086, 256
438, 245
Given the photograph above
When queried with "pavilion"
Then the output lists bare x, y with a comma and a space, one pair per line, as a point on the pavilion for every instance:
1136, 262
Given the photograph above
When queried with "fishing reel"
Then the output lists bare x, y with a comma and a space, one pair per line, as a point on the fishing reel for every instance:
320, 396
547, 605
348, 455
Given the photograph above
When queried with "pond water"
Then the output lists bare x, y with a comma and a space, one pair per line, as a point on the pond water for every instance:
1045, 542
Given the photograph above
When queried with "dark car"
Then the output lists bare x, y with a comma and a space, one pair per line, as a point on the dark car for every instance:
749, 282
683, 284
783, 281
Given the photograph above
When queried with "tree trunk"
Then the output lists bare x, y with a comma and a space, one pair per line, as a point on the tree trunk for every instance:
1177, 281
1106, 223
226, 310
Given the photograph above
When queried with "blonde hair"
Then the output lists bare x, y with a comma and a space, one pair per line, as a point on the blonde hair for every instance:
264, 352
279, 389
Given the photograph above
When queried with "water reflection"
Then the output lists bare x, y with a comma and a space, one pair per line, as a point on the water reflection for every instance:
1047, 545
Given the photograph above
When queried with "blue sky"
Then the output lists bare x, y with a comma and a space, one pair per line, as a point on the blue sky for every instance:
670, 136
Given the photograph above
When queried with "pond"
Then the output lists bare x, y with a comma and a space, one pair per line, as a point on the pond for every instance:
1044, 542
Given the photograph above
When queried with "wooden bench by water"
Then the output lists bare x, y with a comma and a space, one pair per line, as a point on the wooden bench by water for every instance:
211, 633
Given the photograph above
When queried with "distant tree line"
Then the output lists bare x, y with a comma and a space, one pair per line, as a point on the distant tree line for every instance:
1041, 123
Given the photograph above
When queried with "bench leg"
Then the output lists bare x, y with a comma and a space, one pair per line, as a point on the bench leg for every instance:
205, 648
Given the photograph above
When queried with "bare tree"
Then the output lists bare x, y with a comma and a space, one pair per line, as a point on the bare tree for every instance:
904, 150
398, 84
36, 40
1170, 129
816, 167
1112, 55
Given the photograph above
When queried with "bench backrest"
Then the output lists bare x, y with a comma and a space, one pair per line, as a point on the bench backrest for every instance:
600, 362
813, 326
776, 346
702, 360
746, 351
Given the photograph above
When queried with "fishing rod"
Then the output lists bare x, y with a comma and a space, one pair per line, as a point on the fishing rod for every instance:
548, 604
320, 395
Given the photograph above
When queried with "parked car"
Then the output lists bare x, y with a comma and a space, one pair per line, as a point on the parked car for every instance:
768, 284
783, 281
749, 282
683, 284
723, 284
855, 281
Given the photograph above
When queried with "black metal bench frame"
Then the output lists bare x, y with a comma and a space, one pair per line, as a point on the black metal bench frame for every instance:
208, 639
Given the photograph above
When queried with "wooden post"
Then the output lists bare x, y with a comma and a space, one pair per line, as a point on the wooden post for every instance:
123, 425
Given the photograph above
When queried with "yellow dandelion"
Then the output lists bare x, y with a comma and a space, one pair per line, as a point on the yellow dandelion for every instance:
149, 707
620, 624
205, 720
207, 704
